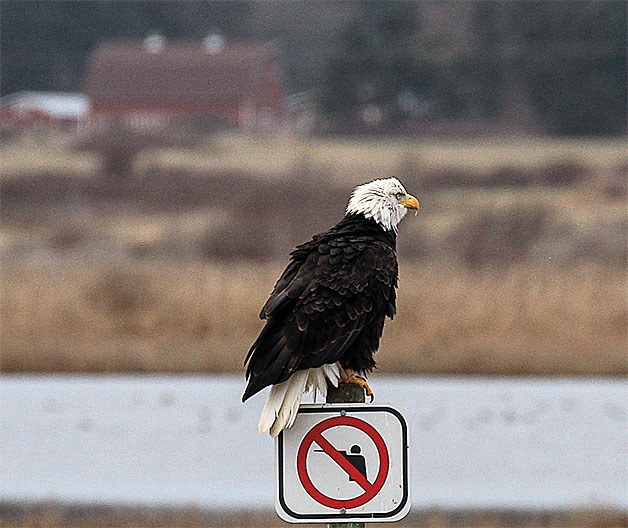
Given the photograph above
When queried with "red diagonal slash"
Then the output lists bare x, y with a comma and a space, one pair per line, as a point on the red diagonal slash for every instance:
339, 459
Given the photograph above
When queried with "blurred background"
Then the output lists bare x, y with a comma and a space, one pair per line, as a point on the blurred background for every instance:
160, 159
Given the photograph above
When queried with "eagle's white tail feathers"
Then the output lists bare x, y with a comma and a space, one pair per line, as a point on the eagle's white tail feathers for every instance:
316, 379
333, 372
283, 401
281, 407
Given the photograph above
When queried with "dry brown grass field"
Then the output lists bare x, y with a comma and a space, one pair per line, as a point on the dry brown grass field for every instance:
53, 516
359, 159
203, 317
514, 266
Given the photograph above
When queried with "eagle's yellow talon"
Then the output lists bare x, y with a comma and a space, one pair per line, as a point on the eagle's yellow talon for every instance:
352, 377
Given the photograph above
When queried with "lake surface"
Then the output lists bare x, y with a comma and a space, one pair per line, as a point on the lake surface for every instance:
175, 440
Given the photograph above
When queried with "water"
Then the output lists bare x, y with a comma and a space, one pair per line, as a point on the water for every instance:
175, 440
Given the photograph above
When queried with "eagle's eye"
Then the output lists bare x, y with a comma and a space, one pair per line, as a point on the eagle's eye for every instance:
399, 195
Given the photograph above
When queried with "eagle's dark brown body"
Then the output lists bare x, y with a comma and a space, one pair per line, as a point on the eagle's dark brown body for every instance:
329, 304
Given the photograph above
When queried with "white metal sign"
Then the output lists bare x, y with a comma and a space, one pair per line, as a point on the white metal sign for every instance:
343, 463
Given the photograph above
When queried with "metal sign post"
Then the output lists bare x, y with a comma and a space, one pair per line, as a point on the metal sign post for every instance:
345, 464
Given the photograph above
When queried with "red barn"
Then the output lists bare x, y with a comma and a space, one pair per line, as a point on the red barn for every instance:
152, 83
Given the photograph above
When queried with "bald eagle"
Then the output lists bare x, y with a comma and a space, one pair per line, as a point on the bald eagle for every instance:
325, 316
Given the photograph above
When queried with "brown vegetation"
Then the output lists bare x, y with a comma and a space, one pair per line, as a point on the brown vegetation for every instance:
203, 317
348, 160
56, 516
505, 271
229, 217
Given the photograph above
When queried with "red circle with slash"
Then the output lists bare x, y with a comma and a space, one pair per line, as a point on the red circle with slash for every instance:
370, 488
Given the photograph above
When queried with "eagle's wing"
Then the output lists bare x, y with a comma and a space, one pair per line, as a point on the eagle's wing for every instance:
331, 290
288, 286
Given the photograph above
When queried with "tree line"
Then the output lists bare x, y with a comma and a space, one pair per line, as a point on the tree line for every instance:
565, 61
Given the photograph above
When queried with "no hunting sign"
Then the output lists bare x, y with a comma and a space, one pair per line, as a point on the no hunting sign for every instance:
342, 463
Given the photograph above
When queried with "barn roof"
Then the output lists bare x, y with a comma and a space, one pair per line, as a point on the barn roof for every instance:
178, 71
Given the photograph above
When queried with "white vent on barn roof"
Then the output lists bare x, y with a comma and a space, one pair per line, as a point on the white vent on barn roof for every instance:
154, 43
214, 43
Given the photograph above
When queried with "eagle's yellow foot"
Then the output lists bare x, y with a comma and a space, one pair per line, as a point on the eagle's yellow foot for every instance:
352, 377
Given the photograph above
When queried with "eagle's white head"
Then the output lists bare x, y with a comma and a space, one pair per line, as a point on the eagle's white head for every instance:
385, 201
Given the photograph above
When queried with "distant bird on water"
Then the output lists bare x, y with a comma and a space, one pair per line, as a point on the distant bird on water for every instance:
325, 316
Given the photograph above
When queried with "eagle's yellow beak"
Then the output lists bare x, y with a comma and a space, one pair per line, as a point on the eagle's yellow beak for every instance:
410, 202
